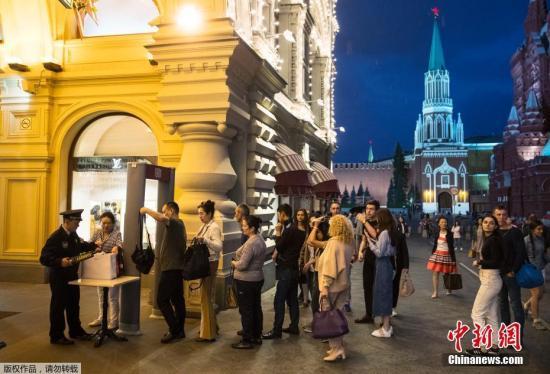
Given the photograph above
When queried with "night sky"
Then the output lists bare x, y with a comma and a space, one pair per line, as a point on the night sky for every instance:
382, 53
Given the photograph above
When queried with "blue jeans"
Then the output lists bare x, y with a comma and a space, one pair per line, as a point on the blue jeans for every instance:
510, 289
286, 291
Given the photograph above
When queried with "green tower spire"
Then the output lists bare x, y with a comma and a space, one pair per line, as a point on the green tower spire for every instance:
371, 154
437, 59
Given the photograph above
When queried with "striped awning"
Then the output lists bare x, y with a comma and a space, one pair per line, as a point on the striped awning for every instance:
325, 184
291, 173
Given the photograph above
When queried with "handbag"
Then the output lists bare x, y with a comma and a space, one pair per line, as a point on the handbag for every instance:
453, 281
231, 294
143, 258
406, 286
196, 263
329, 324
472, 252
529, 276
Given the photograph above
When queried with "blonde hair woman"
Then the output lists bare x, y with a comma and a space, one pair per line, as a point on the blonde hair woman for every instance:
334, 266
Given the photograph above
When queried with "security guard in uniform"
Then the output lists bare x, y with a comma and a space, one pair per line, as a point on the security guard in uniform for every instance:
63, 244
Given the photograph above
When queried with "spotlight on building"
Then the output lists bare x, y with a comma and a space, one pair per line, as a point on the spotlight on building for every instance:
289, 36
189, 18
16, 64
342, 129
51, 65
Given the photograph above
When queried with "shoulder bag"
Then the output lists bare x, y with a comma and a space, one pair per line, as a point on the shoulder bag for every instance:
330, 323
529, 276
143, 258
406, 286
196, 263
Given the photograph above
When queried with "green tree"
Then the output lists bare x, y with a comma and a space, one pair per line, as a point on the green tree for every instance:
391, 195
397, 195
345, 197
360, 194
352, 197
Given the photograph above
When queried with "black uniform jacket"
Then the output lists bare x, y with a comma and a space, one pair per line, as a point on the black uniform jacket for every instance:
58, 246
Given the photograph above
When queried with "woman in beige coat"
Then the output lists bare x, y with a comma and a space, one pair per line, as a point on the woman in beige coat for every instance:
334, 267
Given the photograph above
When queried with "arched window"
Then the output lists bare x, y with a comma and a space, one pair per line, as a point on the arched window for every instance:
119, 17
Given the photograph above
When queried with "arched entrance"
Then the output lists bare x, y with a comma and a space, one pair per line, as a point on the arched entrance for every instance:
445, 202
97, 167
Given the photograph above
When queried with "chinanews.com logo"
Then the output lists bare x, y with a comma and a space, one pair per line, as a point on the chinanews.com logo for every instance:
484, 350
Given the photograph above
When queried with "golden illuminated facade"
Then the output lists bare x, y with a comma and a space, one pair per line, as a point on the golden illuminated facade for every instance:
206, 86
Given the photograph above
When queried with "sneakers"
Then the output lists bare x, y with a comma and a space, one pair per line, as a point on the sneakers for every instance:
307, 328
393, 312
383, 333
95, 323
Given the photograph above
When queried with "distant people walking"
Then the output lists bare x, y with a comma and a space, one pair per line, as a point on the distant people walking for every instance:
109, 240
485, 310
457, 235
170, 298
443, 258
249, 279
211, 235
334, 266
383, 248
402, 226
536, 245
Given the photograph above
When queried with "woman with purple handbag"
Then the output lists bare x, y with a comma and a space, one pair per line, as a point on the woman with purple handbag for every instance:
333, 269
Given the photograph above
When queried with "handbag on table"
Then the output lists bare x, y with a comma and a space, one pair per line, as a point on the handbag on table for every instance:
329, 324
143, 258
453, 281
406, 286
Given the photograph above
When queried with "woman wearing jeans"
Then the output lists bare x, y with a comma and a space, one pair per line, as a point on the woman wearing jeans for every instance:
211, 235
486, 305
249, 279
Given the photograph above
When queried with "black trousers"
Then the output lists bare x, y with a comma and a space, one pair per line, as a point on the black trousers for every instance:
65, 300
396, 280
170, 300
314, 288
249, 297
369, 268
286, 291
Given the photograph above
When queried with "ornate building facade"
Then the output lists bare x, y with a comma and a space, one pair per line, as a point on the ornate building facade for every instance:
520, 176
206, 87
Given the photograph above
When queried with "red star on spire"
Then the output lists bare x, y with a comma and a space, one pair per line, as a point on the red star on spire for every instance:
435, 11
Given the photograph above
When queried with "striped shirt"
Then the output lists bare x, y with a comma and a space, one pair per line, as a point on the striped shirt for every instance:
114, 239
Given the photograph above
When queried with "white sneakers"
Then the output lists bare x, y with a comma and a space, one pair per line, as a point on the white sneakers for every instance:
393, 312
383, 333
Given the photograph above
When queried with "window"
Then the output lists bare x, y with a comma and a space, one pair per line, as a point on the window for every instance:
445, 181
119, 17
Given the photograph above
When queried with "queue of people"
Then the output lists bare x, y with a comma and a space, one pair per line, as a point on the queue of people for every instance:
315, 253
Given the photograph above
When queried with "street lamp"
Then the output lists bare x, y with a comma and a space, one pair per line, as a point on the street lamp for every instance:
189, 18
